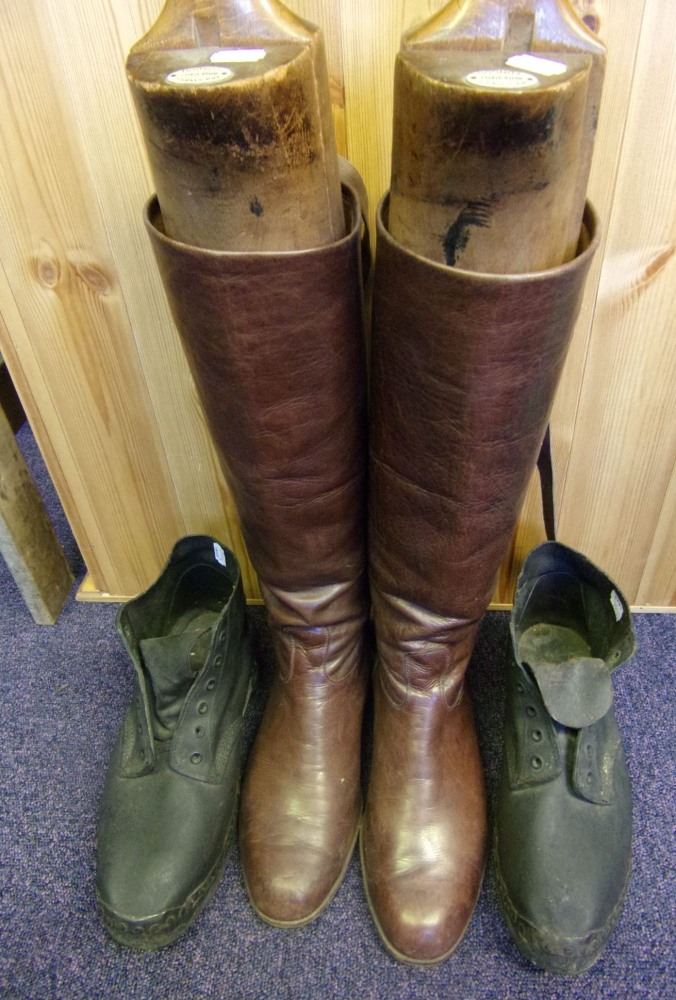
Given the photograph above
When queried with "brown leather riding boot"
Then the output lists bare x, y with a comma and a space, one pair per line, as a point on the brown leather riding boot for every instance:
275, 343
465, 366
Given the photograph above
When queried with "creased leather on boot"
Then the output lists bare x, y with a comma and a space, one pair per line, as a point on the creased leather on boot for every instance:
464, 371
275, 345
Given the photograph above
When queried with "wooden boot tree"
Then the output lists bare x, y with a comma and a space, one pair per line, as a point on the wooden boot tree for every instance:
233, 100
496, 104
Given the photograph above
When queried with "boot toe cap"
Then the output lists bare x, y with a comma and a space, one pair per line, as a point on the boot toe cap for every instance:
290, 886
556, 946
147, 904
420, 918
161, 846
562, 923
139, 889
420, 933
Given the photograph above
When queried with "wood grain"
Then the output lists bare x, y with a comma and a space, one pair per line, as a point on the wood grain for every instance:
88, 340
619, 28
28, 543
625, 421
63, 282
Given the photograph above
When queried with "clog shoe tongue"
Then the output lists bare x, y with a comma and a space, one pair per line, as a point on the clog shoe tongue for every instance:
576, 692
172, 663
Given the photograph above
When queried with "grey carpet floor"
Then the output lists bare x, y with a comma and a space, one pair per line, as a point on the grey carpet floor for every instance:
63, 692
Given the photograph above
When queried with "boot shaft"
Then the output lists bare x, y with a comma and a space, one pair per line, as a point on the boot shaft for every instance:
464, 371
275, 345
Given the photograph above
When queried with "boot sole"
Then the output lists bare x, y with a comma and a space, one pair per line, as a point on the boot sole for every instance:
399, 955
163, 929
571, 957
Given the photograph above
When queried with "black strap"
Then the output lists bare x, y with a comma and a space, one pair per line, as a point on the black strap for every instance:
546, 471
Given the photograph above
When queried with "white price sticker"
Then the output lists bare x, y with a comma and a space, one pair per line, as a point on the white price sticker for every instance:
537, 64
238, 55
616, 602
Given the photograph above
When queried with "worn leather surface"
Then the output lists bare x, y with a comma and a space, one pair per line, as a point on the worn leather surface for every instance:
302, 798
423, 832
464, 370
564, 815
169, 804
275, 344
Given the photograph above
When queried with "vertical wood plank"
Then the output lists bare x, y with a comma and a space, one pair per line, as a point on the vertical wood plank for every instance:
13, 336
619, 23
371, 34
657, 588
77, 353
93, 40
326, 15
618, 496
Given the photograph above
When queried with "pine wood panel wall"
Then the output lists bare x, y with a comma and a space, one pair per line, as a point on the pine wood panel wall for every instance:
91, 347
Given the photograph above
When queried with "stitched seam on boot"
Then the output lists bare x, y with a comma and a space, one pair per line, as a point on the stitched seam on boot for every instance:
355, 655
388, 680
458, 697
286, 675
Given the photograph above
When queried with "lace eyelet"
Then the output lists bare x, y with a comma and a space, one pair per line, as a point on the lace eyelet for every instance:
536, 763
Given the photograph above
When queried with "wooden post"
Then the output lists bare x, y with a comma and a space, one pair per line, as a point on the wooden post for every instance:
233, 100
9, 400
27, 540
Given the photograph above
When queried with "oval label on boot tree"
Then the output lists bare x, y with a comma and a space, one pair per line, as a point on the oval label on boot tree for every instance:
197, 75
502, 79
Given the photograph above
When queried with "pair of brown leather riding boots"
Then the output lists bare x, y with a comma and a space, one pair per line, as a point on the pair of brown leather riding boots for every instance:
464, 368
